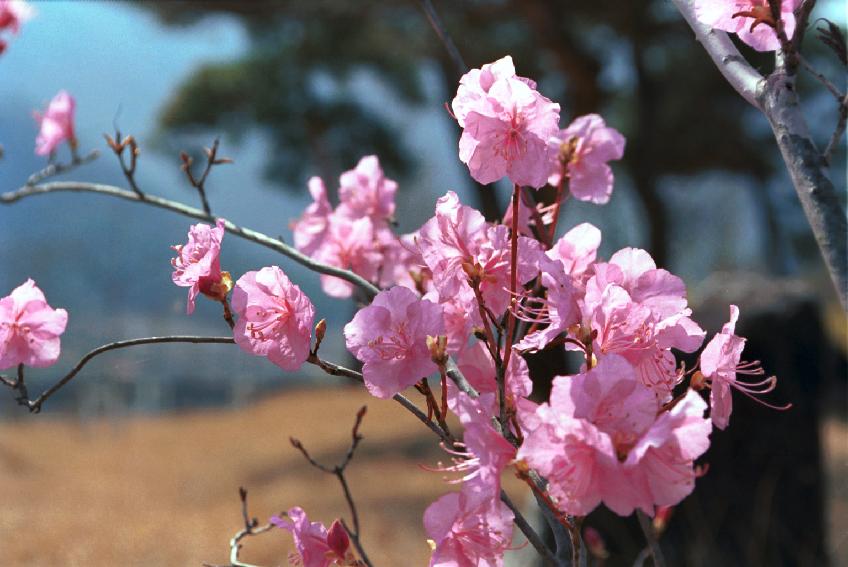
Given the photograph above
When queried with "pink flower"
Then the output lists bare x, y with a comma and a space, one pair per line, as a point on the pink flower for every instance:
198, 264
585, 147
558, 309
349, 244
457, 243
390, 338
720, 366
600, 439
366, 192
577, 249
309, 230
640, 312
467, 531
29, 328
660, 467
475, 84
274, 317
461, 315
316, 546
507, 126
12, 14
450, 239
57, 124
478, 368
751, 20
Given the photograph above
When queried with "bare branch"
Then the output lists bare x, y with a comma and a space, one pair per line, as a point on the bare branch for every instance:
336, 370
440, 29
118, 145
251, 528
35, 405
822, 79
738, 72
338, 471
367, 287
528, 531
212, 159
54, 169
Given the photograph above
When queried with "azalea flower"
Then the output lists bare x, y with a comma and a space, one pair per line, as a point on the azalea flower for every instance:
585, 148
390, 338
507, 126
56, 124
466, 531
721, 367
603, 438
311, 228
29, 328
12, 14
366, 192
198, 264
274, 317
316, 545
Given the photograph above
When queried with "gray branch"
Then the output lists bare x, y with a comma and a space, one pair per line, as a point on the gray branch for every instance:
79, 187
777, 98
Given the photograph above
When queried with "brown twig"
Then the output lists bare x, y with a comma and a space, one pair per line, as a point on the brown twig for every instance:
338, 471
199, 183
251, 528
35, 405
337, 370
118, 145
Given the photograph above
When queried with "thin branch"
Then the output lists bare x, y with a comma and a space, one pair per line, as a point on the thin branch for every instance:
336, 370
650, 536
35, 405
118, 145
338, 471
738, 72
212, 159
838, 131
822, 79
802, 20
251, 528
528, 531
367, 287
54, 169
440, 29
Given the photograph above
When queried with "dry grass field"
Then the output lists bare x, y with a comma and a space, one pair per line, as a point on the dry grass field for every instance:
163, 490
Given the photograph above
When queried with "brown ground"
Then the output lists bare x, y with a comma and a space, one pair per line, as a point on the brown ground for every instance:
163, 490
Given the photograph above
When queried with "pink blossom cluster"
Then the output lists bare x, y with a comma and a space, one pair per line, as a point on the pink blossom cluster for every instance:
13, 13
509, 129
357, 234
751, 20
627, 429
275, 317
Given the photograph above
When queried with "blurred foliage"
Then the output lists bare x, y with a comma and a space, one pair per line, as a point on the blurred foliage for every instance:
636, 62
